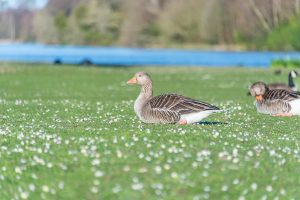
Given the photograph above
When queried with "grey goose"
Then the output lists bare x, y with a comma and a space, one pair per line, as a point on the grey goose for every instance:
167, 108
276, 102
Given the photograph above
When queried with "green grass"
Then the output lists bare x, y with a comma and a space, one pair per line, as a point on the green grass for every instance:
70, 133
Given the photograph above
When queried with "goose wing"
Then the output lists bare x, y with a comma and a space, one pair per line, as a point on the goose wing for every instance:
284, 95
179, 104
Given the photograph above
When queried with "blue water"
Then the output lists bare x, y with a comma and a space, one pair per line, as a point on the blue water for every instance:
36, 53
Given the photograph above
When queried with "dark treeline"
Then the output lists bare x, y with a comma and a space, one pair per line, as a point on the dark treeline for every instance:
250, 24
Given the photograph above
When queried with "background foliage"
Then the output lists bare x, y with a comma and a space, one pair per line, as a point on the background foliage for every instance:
225, 24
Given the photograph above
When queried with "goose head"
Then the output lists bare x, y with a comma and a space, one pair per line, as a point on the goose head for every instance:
258, 89
140, 78
294, 73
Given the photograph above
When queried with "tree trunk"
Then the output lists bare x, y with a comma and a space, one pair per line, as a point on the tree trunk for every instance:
260, 16
12, 27
297, 6
275, 12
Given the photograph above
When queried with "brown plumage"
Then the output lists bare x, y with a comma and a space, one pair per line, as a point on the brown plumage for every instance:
167, 108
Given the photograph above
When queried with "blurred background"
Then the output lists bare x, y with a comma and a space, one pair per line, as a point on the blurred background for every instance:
249, 28
217, 24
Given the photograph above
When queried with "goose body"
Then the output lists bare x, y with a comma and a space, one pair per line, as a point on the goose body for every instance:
276, 102
167, 108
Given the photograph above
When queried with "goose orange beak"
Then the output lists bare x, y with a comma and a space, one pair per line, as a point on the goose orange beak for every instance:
258, 97
132, 81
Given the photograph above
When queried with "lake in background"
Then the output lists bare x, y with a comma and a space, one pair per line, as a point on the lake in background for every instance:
119, 56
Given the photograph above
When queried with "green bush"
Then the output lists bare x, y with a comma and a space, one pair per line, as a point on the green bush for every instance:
281, 63
285, 37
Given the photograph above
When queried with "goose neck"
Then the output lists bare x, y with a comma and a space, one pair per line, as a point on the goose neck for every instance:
291, 81
147, 90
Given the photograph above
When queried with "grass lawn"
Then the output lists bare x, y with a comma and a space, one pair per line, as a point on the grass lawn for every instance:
70, 133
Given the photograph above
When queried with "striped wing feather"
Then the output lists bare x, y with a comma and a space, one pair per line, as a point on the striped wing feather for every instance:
179, 104
274, 95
